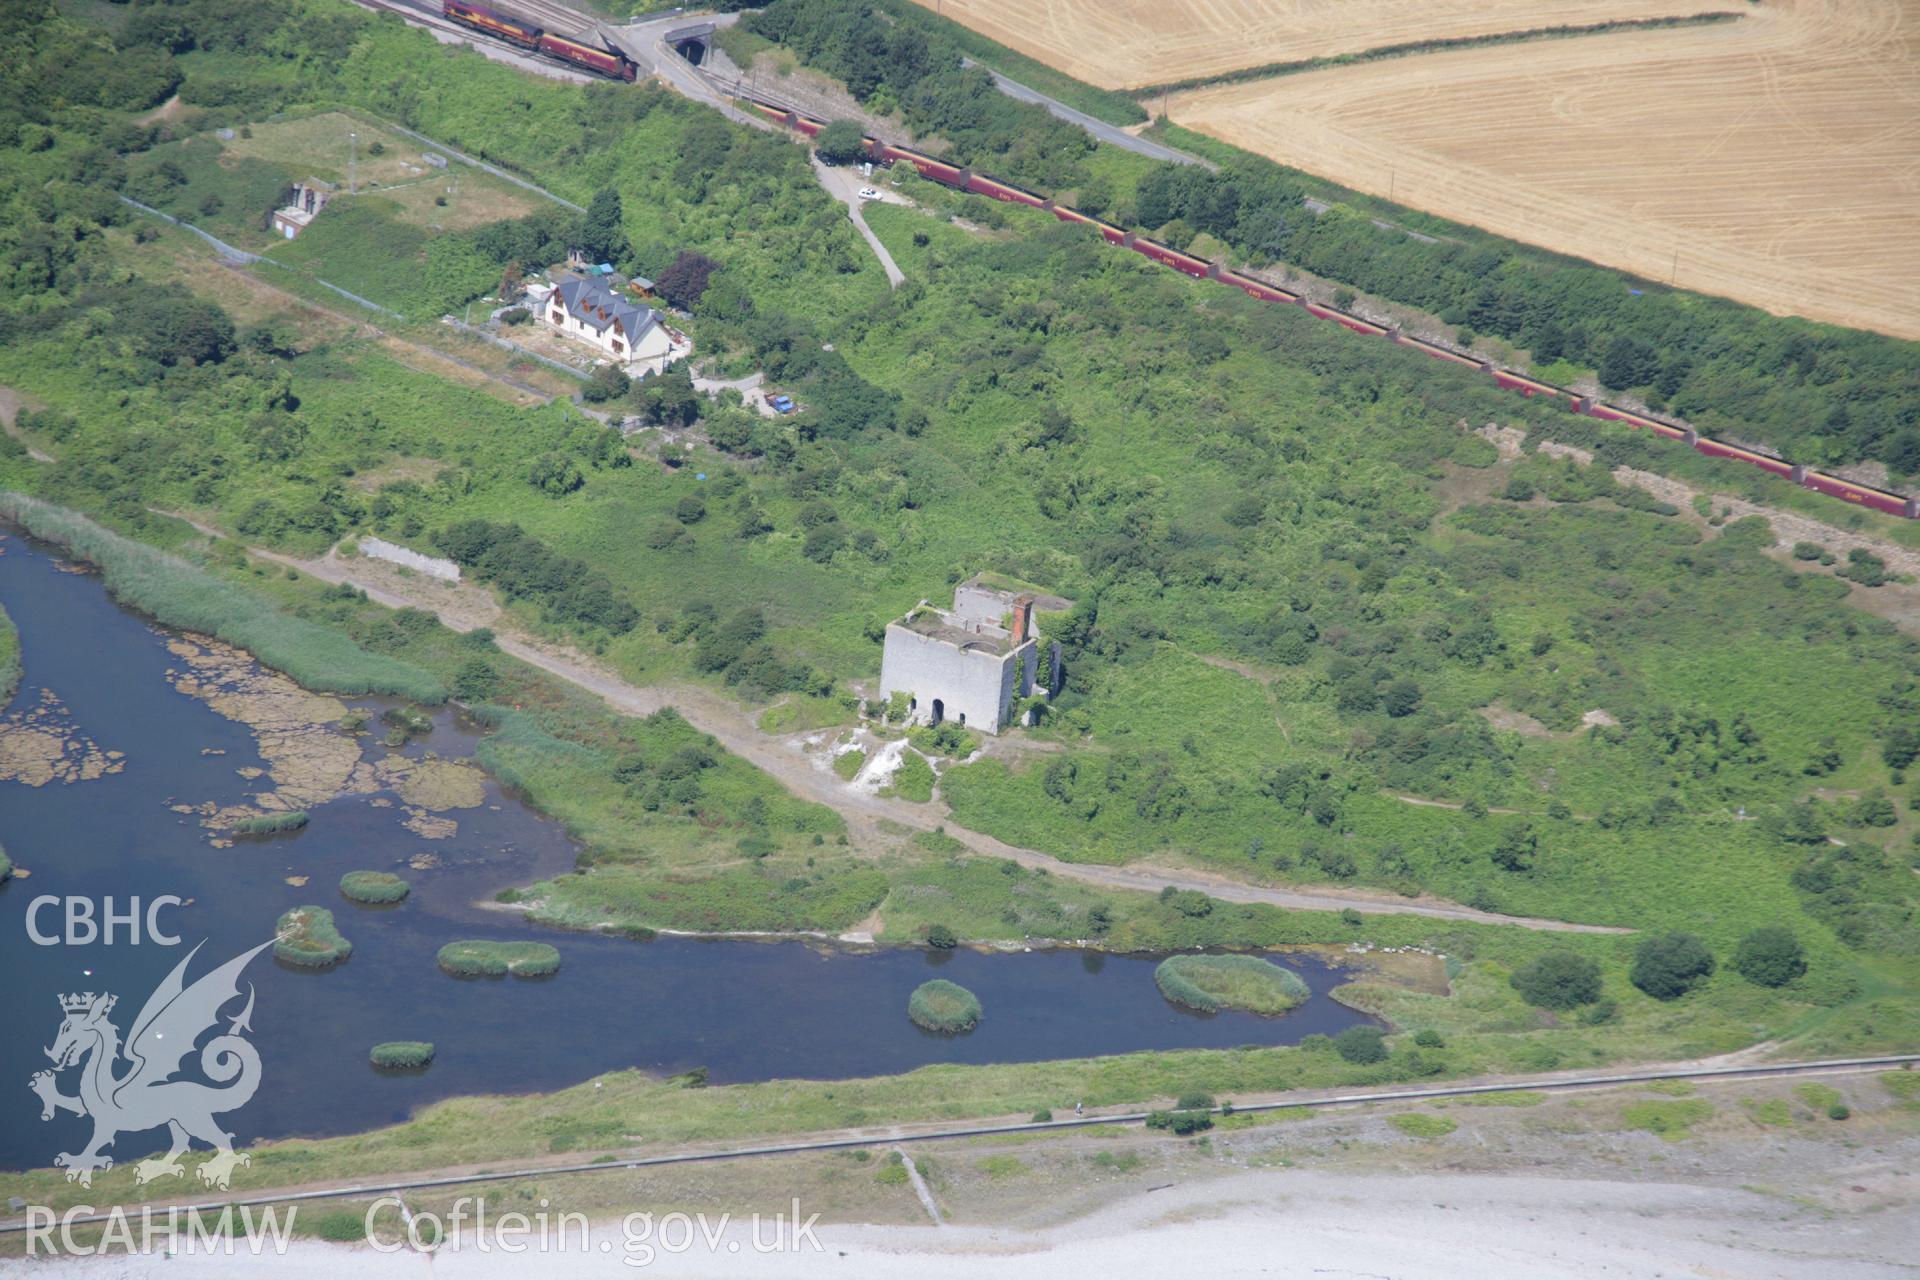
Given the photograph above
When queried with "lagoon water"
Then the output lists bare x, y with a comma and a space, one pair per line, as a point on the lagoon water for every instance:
744, 1010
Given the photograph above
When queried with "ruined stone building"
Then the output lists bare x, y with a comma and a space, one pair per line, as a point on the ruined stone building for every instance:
968, 664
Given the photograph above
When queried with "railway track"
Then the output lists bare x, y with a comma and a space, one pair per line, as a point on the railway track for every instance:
964, 178
888, 1137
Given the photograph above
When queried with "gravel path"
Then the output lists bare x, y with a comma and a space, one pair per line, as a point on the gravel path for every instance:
735, 730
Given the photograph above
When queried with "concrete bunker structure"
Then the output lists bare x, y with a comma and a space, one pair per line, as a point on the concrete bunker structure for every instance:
967, 664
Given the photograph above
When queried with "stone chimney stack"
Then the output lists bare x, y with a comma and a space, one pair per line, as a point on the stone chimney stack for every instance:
1022, 619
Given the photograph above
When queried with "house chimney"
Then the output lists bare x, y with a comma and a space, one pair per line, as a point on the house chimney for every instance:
1022, 619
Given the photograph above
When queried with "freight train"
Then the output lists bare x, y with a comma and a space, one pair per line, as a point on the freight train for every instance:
965, 179
519, 31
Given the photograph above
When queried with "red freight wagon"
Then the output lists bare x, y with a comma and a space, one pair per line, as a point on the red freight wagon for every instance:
1257, 288
584, 55
1438, 352
937, 170
1005, 191
1860, 495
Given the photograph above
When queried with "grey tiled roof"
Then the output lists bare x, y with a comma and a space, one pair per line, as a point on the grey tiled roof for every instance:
593, 303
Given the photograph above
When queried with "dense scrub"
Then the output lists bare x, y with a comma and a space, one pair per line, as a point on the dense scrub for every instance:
1820, 393
1320, 633
308, 939
373, 888
1211, 983
401, 1054
182, 595
9, 658
482, 959
943, 1006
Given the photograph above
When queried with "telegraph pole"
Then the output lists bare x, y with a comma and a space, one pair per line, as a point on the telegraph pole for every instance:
353, 161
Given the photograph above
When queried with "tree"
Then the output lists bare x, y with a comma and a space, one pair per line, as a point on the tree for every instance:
1559, 979
609, 382
1515, 849
1770, 956
842, 142
1401, 698
1361, 1045
1900, 747
603, 238
475, 681
1669, 966
685, 280
941, 938
555, 474
669, 398
1629, 363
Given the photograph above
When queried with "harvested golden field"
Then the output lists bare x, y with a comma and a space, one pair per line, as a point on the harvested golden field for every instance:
1125, 44
1779, 156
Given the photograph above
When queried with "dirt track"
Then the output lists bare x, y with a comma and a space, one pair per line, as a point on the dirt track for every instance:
1124, 44
1775, 155
464, 607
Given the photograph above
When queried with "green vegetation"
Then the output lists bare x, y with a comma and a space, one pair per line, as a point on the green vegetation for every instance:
485, 959
9, 658
1180, 1123
181, 595
1846, 395
1420, 1124
912, 780
338, 1226
6, 866
1770, 956
1818, 1097
307, 939
1210, 983
1000, 1168
401, 1054
847, 764
373, 888
1558, 980
1361, 1045
1669, 1120
906, 63
1669, 966
1300, 604
944, 1006
271, 824
1904, 1085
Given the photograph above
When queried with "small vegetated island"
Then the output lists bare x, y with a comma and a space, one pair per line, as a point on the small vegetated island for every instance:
401, 1054
944, 1006
308, 939
472, 959
1213, 983
272, 824
373, 888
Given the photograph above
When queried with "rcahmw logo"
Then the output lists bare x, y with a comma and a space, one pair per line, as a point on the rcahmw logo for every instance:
130, 1086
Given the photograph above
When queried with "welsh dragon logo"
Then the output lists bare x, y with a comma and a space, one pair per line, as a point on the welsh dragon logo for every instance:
146, 1095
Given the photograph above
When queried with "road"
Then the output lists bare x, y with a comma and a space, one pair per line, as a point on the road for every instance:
844, 185
854, 1139
1113, 135
750, 389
